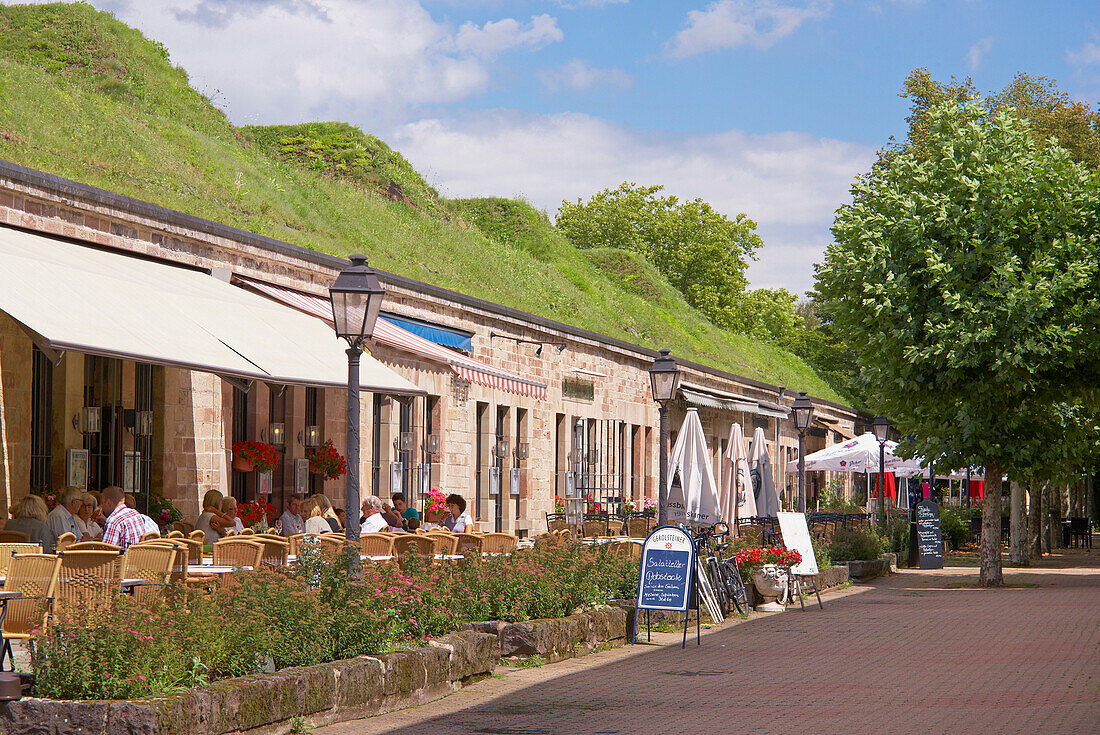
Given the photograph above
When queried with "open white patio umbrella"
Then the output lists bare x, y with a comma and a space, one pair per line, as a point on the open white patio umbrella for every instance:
737, 499
858, 455
760, 465
694, 499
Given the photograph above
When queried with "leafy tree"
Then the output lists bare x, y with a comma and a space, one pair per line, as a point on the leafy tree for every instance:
703, 253
964, 275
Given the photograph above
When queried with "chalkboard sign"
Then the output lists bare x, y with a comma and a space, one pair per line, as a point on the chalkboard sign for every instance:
929, 535
668, 557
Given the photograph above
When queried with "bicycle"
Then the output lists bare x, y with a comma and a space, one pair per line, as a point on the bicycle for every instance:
723, 573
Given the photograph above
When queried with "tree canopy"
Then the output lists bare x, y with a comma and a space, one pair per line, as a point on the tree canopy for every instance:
703, 253
965, 274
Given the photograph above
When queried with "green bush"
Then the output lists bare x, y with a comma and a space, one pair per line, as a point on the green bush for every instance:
897, 536
955, 524
855, 544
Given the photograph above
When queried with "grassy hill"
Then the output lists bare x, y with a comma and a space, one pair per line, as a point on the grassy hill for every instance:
86, 97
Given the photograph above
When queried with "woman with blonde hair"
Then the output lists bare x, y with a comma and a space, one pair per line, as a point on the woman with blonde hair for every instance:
210, 521
328, 513
29, 517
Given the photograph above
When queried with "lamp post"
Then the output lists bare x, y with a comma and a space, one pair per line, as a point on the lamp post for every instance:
356, 298
664, 379
881, 426
803, 414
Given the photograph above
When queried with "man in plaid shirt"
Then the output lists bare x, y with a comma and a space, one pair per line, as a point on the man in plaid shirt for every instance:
124, 525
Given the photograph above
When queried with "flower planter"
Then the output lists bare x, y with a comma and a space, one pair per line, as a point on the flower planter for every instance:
771, 584
433, 516
243, 465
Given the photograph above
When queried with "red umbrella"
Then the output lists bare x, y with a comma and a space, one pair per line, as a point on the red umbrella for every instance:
891, 487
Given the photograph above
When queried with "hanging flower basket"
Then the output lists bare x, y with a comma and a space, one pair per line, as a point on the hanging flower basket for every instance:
436, 507
326, 461
257, 456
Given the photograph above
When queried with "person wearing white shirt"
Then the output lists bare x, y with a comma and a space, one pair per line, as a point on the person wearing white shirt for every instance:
372, 522
88, 514
229, 510
291, 520
457, 519
63, 519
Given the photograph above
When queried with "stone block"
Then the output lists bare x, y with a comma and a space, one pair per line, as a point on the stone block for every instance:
47, 717
133, 718
359, 682
403, 671
472, 653
177, 714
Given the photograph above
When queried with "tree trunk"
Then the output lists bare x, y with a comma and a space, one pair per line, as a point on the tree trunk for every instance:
1017, 538
1035, 520
989, 553
1048, 503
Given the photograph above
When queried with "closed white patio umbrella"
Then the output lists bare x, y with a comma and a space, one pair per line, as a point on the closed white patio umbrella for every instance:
760, 467
737, 499
694, 499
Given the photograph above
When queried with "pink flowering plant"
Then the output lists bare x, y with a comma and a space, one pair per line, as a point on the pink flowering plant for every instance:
313, 612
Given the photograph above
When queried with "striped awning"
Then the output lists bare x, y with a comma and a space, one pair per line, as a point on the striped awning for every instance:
386, 332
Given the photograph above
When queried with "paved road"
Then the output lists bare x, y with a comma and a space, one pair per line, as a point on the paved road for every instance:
916, 653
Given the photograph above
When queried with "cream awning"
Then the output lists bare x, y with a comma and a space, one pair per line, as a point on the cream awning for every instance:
74, 297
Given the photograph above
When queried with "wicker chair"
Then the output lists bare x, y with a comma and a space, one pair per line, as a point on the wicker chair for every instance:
637, 527
555, 522
468, 542
183, 527
295, 543
444, 543
276, 549
594, 527
178, 574
238, 552
376, 544
199, 536
406, 542
88, 576
18, 537
93, 546
148, 536
499, 543
6, 550
332, 542
175, 534
64, 541
151, 562
34, 576
247, 532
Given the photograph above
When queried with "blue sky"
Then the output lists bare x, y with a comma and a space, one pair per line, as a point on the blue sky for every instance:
768, 107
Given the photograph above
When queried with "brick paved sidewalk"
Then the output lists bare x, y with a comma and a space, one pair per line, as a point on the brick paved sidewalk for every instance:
919, 652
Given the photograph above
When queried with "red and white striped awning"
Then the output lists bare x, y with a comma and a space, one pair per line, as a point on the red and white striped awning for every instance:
386, 332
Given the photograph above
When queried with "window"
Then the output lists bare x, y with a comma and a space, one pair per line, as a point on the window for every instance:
239, 485
103, 388
312, 411
376, 446
144, 375
41, 419
276, 413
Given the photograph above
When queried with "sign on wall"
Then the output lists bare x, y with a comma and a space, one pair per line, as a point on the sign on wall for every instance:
664, 580
513, 481
796, 536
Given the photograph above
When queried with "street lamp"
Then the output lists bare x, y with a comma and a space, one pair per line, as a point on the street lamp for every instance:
664, 380
356, 298
803, 415
881, 426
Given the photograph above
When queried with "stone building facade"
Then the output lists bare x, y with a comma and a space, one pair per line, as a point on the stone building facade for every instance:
595, 430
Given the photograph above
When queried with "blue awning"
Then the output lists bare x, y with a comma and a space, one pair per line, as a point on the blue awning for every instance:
445, 336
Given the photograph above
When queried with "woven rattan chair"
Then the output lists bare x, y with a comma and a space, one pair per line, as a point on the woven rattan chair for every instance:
295, 543
247, 532
444, 543
594, 528
6, 550
34, 576
64, 541
499, 543
376, 544
152, 562
238, 552
199, 536
183, 527
93, 546
468, 542
637, 527
407, 542
148, 536
175, 534
332, 542
18, 537
178, 574
88, 576
276, 549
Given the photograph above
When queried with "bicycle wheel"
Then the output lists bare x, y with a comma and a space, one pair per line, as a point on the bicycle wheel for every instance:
718, 583
735, 587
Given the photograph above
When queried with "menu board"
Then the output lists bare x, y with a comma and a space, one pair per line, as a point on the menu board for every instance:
797, 536
668, 557
929, 535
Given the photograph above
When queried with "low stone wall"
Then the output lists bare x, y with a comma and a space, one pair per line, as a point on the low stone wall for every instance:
324, 693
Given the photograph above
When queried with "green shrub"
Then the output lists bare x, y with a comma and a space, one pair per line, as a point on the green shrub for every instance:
897, 535
855, 544
956, 527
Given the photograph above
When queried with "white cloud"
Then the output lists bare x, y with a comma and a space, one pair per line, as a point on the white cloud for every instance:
1087, 55
498, 36
372, 61
579, 76
732, 23
790, 183
574, 4
975, 56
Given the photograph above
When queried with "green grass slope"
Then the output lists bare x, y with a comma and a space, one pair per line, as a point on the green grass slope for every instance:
86, 97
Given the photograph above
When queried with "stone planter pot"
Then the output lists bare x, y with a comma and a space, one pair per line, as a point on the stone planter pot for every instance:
771, 584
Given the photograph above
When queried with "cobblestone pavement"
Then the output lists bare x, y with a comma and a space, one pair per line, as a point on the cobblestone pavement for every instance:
918, 652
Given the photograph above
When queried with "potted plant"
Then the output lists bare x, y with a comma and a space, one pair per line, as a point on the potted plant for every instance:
161, 510
326, 461
436, 507
649, 506
768, 568
254, 456
255, 515
559, 505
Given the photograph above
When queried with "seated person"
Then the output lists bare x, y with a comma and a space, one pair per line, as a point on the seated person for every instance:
341, 517
328, 513
229, 513
90, 515
150, 525
403, 509
457, 519
413, 524
210, 521
64, 517
313, 512
30, 518
393, 519
290, 519
372, 520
